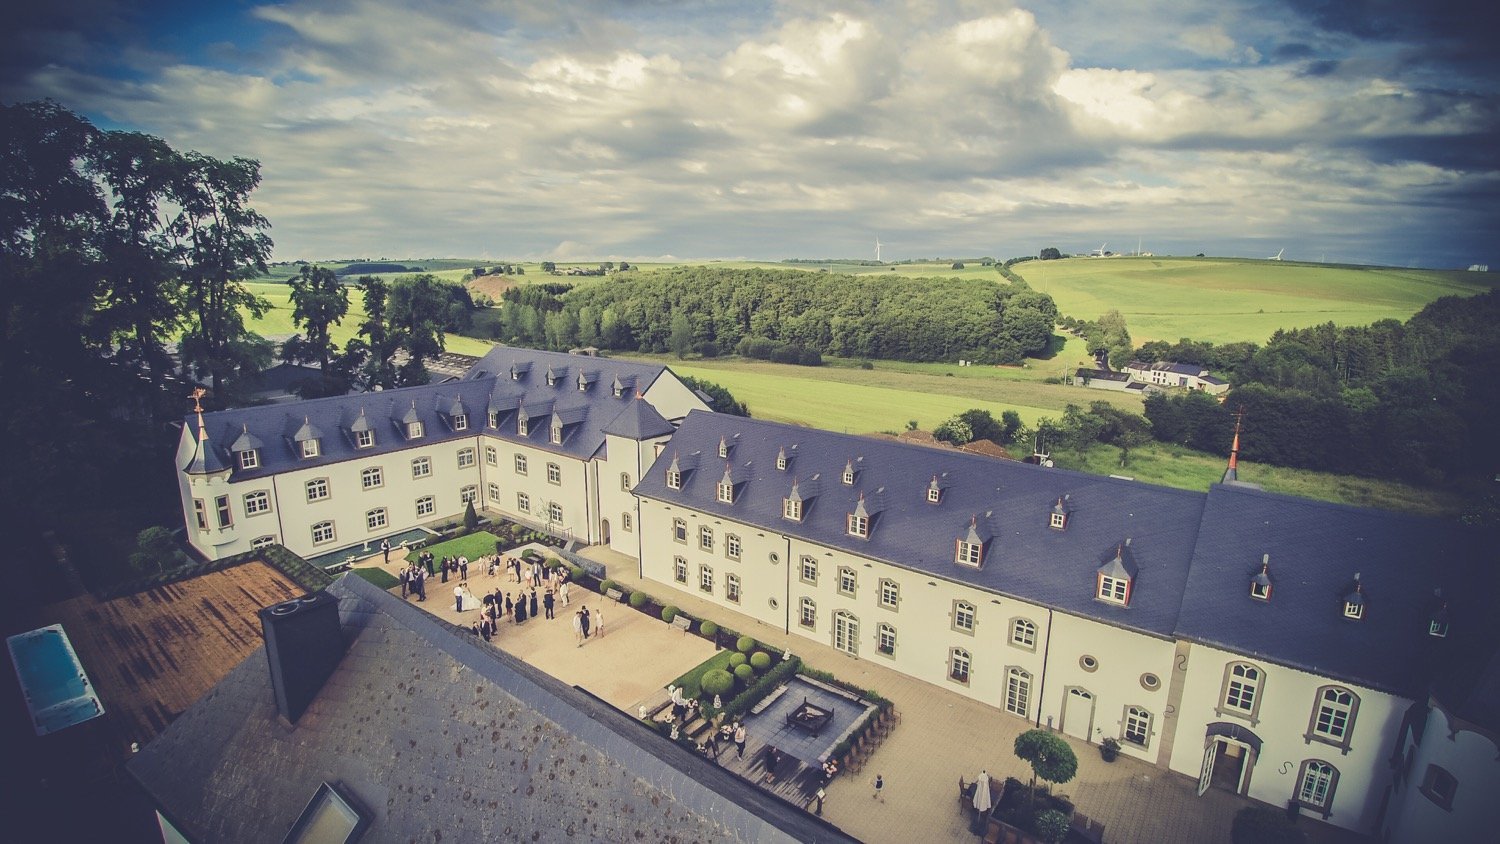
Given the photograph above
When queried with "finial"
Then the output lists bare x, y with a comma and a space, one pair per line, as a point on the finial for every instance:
197, 396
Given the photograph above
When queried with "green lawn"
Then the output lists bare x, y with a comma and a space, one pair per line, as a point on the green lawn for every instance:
377, 577
690, 682
1227, 300
1174, 466
473, 546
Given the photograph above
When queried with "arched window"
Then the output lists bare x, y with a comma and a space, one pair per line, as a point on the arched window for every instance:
885, 640
1023, 634
808, 615
1333, 716
1242, 690
371, 478
1017, 691
959, 663
1137, 726
1316, 783
963, 616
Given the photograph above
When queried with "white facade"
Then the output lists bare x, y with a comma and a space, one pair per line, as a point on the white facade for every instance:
1444, 789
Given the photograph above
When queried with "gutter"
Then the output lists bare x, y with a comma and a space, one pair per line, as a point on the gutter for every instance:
1041, 690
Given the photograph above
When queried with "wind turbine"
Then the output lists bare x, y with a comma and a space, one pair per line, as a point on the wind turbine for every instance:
1277, 256
877, 250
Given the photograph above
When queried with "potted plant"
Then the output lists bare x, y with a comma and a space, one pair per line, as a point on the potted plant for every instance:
1109, 749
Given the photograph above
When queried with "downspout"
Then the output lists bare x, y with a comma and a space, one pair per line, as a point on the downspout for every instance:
276, 494
786, 601
1041, 690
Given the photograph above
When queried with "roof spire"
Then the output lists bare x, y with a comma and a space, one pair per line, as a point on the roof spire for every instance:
1232, 473
197, 397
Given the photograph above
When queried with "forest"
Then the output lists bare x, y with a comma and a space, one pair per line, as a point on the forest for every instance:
1414, 401
712, 310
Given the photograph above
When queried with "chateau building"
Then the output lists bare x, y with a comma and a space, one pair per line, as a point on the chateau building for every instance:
1337, 659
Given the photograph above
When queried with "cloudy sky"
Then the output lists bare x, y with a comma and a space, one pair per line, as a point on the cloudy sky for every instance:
1346, 130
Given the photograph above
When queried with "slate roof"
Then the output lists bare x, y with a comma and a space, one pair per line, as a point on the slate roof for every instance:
1102, 375
1024, 558
1315, 549
584, 414
498, 361
443, 738
639, 421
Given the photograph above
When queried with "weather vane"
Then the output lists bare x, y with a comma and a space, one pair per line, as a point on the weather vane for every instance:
198, 394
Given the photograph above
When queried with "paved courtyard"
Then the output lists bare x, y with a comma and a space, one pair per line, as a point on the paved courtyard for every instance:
942, 736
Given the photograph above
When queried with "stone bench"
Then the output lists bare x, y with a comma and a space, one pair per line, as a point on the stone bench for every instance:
682, 622
614, 594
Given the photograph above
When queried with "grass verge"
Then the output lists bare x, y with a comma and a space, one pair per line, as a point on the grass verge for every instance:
473, 546
377, 576
691, 682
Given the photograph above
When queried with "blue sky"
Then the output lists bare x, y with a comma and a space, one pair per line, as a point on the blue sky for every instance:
1346, 130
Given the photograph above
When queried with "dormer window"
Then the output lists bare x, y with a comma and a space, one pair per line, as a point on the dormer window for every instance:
859, 526
968, 553
551, 377
557, 434
618, 389
1437, 621
781, 460
674, 479
364, 439
249, 459
723, 448
309, 448
934, 492
968, 549
1057, 519
791, 508
521, 423
414, 430
494, 419
1115, 590
849, 473
1260, 585
461, 422
1354, 602
726, 487
1437, 627
583, 383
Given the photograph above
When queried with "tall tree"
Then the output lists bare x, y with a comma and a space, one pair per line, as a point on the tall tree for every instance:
417, 313
319, 302
222, 242
380, 343
681, 340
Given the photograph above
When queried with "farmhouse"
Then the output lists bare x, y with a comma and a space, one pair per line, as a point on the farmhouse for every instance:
1280, 648
1168, 374
1106, 379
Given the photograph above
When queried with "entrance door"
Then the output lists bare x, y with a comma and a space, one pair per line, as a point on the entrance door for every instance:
1206, 775
1078, 713
846, 633
1229, 766
604, 532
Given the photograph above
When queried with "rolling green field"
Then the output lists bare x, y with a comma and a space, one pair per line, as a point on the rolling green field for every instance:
279, 319
1225, 300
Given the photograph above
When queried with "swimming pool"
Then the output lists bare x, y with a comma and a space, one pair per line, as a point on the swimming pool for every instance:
57, 691
369, 548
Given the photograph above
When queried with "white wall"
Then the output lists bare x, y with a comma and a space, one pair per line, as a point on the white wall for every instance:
1121, 658
1472, 757
672, 398
1288, 698
573, 494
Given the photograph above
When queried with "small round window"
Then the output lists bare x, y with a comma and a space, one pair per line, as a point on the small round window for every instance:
1150, 682
1088, 663
775, 558
774, 604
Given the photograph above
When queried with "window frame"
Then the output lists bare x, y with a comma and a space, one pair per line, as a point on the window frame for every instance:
491, 456
732, 587
461, 422
1430, 782
1113, 590
364, 439
1023, 634
674, 480
249, 459
791, 510
430, 502
627, 523
555, 513
415, 430
885, 631
960, 658
554, 474
380, 515
467, 459
309, 449
328, 526
1348, 710
705, 579
200, 512
262, 541
807, 613
1256, 690
679, 531
521, 465
625, 484
705, 538
890, 594
847, 583
223, 512
1310, 768
680, 569
969, 554
377, 473
492, 491
421, 467
468, 494
733, 546
261, 505
802, 568
725, 493
1057, 521
961, 609
1136, 715
859, 526
1017, 691
523, 503
324, 488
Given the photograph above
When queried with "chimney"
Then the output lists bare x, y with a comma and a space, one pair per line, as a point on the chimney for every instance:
304, 643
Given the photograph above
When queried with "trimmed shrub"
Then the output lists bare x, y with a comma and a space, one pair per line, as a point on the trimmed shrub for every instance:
607, 585
1050, 825
576, 573
708, 629
669, 613
737, 659
639, 599
744, 672
745, 645
716, 682
760, 660
761, 687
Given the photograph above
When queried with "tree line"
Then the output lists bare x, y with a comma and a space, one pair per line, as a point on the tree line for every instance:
714, 309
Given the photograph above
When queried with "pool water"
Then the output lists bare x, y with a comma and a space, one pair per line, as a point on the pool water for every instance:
343, 555
57, 691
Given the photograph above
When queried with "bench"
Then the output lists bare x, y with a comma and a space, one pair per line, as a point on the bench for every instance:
682, 622
614, 594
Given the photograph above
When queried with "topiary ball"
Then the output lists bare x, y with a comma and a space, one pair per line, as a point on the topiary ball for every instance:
744, 672
575, 573
745, 645
760, 660
669, 613
607, 585
716, 682
639, 599
736, 660
708, 629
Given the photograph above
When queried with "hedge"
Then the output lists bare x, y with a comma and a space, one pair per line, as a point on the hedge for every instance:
669, 613
825, 677
762, 687
576, 573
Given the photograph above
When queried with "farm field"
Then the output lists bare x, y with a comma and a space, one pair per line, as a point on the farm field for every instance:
1227, 300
